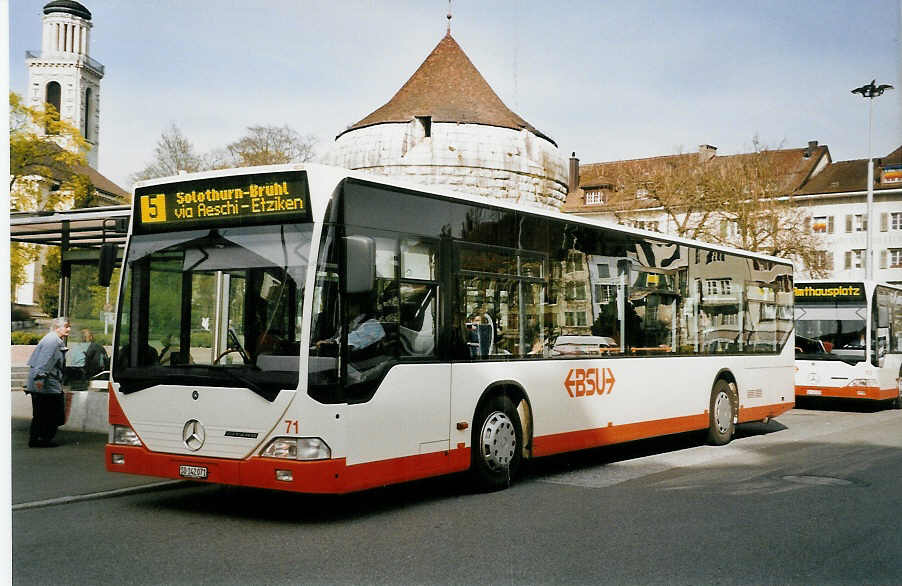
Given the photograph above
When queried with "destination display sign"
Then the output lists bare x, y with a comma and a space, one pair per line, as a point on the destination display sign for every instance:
222, 201
831, 292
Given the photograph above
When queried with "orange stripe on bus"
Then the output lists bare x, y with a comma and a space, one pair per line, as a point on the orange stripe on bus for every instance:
325, 476
579, 440
335, 476
758, 413
871, 393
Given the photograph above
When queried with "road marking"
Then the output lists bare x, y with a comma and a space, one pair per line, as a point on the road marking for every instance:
65, 500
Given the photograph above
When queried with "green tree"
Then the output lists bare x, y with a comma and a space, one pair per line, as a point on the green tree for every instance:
43, 175
48, 291
20, 256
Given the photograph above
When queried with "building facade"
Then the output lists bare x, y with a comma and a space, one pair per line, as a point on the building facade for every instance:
830, 197
63, 73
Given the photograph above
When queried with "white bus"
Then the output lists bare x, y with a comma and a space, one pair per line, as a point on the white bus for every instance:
319, 330
849, 340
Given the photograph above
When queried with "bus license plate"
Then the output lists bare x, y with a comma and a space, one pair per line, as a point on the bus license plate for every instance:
192, 471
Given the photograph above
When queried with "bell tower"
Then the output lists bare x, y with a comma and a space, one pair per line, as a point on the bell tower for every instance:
64, 74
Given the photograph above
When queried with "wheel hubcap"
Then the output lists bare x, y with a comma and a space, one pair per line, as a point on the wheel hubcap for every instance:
723, 412
498, 441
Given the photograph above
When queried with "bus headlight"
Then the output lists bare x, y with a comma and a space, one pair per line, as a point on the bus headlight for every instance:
124, 435
862, 382
297, 448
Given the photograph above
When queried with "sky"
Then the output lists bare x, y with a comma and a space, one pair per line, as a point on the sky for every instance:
607, 79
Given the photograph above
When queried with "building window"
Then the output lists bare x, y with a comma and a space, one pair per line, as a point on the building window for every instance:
426, 125
54, 96
718, 286
822, 259
855, 259
856, 223
651, 225
604, 271
605, 293
596, 197
892, 174
895, 221
86, 126
576, 291
822, 225
895, 258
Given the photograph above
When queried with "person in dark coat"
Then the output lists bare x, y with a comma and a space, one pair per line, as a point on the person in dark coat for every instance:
45, 385
96, 358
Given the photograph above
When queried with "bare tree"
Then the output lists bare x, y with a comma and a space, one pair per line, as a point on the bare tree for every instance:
744, 201
676, 186
270, 145
172, 154
262, 145
755, 209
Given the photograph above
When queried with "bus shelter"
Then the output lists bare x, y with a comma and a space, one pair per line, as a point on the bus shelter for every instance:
88, 239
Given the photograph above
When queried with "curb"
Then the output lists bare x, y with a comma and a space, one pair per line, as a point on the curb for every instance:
85, 410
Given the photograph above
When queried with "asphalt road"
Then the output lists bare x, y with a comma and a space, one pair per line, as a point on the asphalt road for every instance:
813, 498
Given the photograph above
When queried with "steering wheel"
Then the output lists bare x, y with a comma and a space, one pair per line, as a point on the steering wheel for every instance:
232, 351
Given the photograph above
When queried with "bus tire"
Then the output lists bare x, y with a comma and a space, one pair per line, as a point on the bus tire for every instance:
497, 444
720, 414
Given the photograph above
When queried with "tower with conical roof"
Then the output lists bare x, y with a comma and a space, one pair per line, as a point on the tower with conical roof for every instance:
64, 74
446, 126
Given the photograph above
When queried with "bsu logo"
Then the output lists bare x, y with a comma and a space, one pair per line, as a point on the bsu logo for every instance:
583, 382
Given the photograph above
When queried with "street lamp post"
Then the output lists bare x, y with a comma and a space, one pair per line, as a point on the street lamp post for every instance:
870, 91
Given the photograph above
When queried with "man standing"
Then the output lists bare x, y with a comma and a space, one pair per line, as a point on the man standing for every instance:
45, 384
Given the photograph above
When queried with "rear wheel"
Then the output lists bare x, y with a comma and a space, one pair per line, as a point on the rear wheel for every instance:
720, 414
496, 443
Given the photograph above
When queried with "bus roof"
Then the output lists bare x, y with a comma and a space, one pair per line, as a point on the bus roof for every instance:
337, 174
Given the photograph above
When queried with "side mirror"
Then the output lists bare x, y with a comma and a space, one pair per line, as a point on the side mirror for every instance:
106, 264
360, 264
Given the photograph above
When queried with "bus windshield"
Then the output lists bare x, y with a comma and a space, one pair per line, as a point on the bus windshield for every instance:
840, 329
213, 307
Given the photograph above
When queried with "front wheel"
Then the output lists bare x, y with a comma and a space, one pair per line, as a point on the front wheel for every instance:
720, 414
496, 443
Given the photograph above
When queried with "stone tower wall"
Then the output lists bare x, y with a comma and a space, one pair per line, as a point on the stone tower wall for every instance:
501, 163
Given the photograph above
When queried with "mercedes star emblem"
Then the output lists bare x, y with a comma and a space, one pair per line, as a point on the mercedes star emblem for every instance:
193, 435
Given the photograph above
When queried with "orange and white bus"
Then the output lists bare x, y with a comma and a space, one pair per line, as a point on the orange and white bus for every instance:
319, 330
849, 340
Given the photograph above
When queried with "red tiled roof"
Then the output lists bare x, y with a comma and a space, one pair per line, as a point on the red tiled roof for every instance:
108, 190
449, 88
846, 176
792, 165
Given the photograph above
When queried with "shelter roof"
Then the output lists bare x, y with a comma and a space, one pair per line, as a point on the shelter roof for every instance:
84, 228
